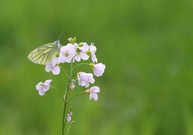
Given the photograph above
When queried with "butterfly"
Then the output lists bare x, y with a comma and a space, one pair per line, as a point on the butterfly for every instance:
45, 53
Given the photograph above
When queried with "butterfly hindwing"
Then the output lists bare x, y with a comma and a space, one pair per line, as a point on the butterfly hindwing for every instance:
44, 54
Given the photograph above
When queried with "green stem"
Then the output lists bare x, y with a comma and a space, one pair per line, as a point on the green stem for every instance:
63, 118
64, 72
79, 65
74, 96
57, 90
64, 108
69, 127
65, 99
71, 69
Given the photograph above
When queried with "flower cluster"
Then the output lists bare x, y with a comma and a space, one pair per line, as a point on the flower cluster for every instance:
72, 53
75, 52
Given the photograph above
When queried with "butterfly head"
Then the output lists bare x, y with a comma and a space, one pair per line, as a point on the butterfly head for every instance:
57, 42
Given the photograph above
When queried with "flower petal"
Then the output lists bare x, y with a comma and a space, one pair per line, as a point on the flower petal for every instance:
99, 69
85, 78
84, 56
39, 86
96, 89
48, 67
41, 93
95, 96
47, 82
56, 70
94, 59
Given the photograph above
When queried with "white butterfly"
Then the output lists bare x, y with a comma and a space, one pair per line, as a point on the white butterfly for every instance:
45, 53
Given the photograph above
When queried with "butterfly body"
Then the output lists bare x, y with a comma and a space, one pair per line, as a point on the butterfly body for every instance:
45, 53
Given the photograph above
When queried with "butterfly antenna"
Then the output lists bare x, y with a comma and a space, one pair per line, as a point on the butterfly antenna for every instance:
60, 36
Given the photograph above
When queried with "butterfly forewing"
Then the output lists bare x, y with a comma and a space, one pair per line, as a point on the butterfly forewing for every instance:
44, 54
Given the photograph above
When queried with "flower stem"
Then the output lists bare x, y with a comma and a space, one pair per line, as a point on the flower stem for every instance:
74, 96
57, 90
66, 99
64, 108
69, 127
79, 65
63, 118
64, 72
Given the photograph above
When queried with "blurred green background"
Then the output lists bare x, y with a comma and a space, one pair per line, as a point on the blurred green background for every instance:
147, 46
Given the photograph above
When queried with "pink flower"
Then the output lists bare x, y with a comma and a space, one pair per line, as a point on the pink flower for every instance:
43, 87
81, 52
93, 50
85, 78
53, 67
67, 53
93, 92
98, 69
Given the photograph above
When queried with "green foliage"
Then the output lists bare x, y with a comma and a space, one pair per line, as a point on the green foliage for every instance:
146, 46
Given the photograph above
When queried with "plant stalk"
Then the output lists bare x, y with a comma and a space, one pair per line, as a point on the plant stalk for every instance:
66, 99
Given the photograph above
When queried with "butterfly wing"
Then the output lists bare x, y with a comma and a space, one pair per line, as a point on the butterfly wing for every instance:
44, 54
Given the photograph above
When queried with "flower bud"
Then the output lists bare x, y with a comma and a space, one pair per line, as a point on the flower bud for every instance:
80, 44
91, 65
72, 40
87, 91
71, 86
69, 117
